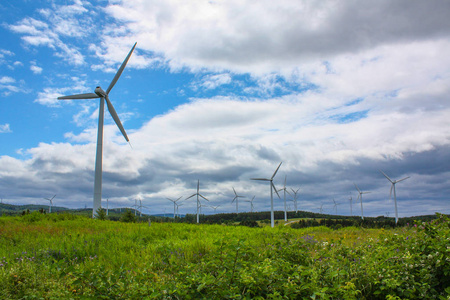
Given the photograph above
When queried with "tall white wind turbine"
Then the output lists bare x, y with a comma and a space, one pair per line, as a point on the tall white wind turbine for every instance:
285, 191
272, 188
50, 204
393, 182
360, 199
236, 198
104, 96
198, 200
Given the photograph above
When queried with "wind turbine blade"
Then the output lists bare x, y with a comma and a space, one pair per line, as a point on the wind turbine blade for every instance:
390, 193
402, 179
357, 188
386, 176
114, 115
80, 96
275, 173
234, 191
275, 189
191, 196
119, 72
263, 179
203, 197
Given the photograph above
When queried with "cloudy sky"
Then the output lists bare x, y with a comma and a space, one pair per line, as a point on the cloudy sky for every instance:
223, 91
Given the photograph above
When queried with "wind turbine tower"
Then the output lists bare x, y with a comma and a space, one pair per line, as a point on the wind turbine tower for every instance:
198, 200
360, 199
236, 198
285, 191
393, 182
104, 96
272, 188
50, 204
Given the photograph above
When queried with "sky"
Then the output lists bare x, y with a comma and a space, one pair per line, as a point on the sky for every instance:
223, 91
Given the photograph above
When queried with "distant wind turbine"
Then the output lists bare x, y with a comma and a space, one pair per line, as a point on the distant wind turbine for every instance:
393, 182
174, 205
251, 204
103, 95
50, 204
236, 198
360, 199
335, 206
198, 200
295, 199
214, 207
321, 208
141, 207
272, 188
285, 191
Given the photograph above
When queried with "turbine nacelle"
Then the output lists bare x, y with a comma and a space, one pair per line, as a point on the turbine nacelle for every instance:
100, 92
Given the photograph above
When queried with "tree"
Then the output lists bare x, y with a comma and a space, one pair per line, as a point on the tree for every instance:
128, 217
100, 214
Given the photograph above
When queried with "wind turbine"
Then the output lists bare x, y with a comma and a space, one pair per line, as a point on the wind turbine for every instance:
214, 207
360, 199
335, 206
198, 200
103, 95
251, 204
321, 208
51, 203
174, 204
285, 191
393, 182
236, 198
272, 188
140, 208
295, 199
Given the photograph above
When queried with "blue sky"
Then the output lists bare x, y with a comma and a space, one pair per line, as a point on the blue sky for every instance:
223, 91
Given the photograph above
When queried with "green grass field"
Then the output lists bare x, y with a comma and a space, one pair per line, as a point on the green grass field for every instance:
65, 256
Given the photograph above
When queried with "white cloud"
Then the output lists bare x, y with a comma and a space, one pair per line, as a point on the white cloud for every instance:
34, 68
4, 128
61, 21
6, 80
263, 36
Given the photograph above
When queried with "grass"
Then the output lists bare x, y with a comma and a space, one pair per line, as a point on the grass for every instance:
66, 256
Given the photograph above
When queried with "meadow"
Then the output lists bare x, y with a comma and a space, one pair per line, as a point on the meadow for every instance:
64, 256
